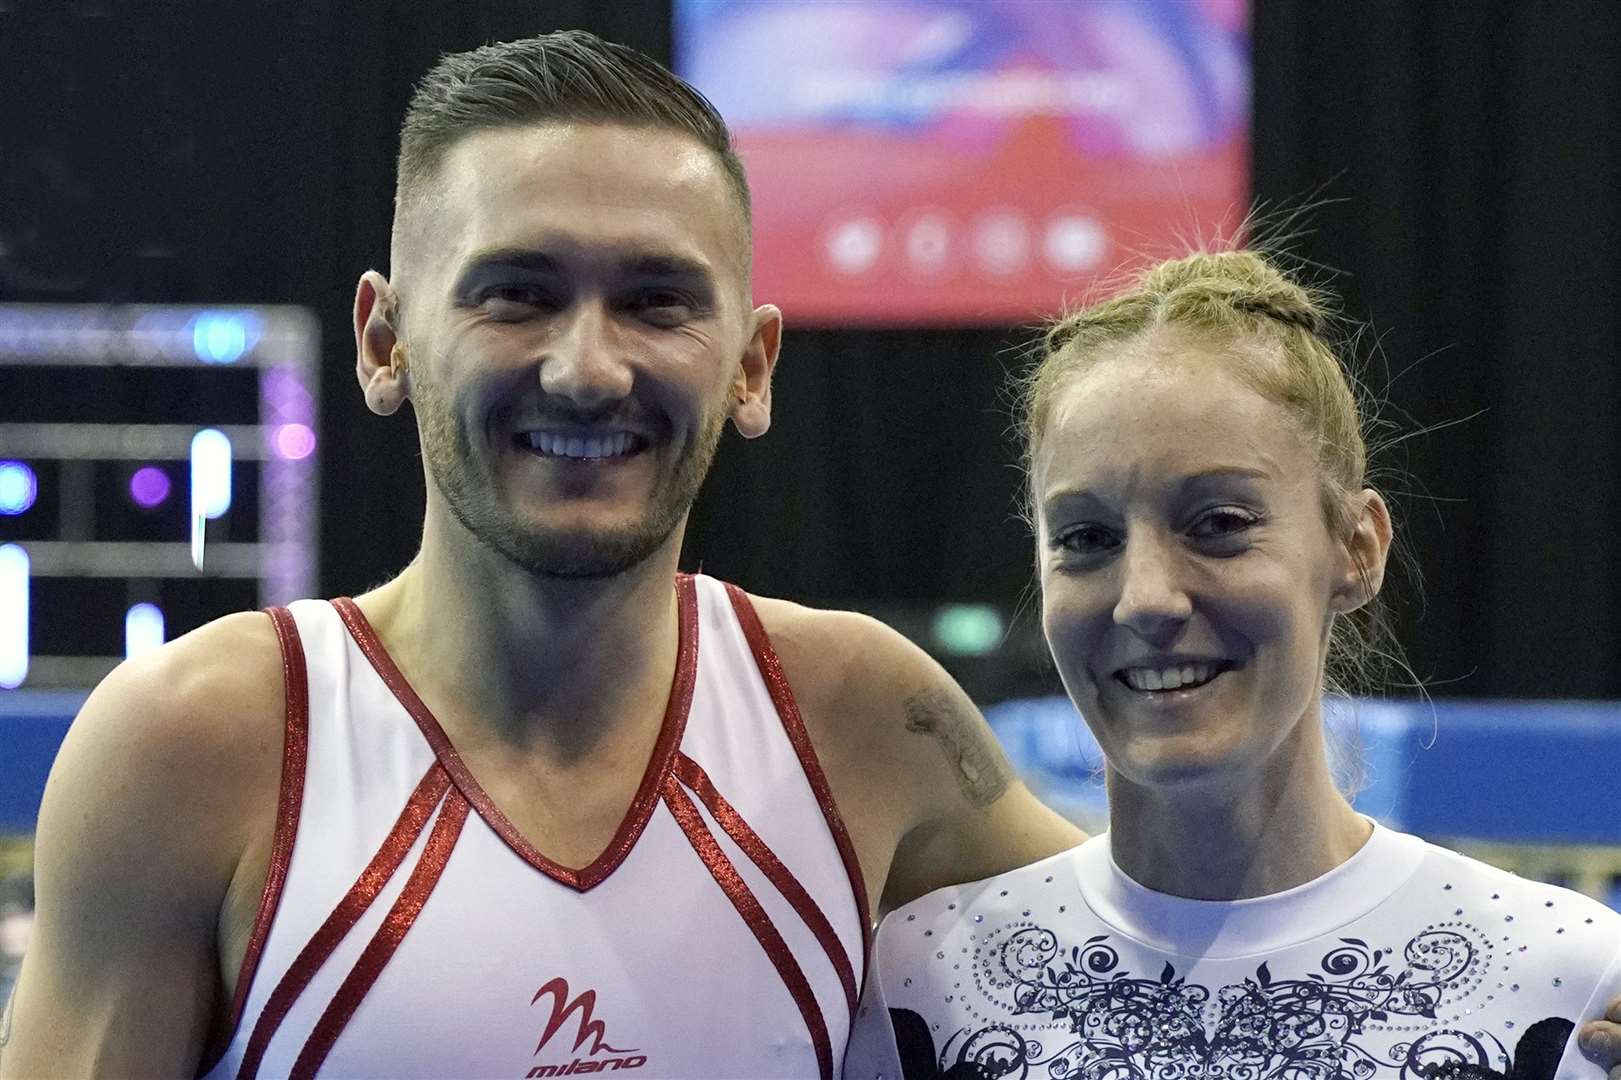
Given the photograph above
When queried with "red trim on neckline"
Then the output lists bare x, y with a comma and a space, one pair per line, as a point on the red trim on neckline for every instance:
647, 794
290, 800
413, 818
758, 922
782, 696
690, 773
401, 917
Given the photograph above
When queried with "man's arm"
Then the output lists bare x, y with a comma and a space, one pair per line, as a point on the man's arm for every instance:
929, 795
150, 805
975, 818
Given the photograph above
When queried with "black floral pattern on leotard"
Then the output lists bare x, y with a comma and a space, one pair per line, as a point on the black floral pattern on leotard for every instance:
1116, 1025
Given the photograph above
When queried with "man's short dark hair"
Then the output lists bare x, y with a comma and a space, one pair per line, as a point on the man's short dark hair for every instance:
569, 76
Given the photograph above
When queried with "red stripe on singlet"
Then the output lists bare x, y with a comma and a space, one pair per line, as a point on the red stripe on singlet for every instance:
401, 838
782, 696
737, 891
693, 775
641, 807
398, 923
294, 761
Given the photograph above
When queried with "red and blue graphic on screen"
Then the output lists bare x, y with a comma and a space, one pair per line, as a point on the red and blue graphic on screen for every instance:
966, 161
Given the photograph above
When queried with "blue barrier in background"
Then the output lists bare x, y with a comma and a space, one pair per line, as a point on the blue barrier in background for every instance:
32, 724
1512, 771
1543, 772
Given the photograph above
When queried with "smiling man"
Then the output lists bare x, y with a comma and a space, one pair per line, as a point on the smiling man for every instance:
541, 805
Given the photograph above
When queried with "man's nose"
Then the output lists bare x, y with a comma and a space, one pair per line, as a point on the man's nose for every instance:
584, 359
1152, 600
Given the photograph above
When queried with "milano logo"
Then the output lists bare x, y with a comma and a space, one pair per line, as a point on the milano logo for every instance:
587, 1029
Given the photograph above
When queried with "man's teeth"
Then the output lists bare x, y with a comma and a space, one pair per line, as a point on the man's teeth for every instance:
575, 446
1172, 678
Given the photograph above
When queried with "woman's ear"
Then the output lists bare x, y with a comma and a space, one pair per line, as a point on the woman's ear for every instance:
1368, 549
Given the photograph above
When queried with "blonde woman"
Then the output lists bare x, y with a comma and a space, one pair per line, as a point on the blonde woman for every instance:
1209, 552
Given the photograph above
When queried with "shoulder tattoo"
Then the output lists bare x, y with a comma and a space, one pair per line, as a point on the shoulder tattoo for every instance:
981, 768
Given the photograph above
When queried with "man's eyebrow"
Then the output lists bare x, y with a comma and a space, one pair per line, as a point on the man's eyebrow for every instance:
666, 265
511, 258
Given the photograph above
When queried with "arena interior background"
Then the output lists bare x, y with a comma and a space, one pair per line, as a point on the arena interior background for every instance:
1464, 159
194, 152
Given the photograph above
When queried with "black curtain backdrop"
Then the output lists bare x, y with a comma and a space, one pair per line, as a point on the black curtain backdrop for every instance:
204, 152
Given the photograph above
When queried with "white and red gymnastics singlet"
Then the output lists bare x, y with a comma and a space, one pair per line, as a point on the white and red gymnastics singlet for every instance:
407, 930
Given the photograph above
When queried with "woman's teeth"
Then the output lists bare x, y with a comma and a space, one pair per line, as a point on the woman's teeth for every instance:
1182, 676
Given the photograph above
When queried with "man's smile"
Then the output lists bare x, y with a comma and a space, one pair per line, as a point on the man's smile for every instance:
581, 444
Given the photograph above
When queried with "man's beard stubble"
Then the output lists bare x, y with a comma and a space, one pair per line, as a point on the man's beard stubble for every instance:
540, 550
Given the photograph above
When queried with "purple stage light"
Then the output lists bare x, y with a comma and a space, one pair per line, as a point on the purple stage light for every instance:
149, 486
294, 441
287, 396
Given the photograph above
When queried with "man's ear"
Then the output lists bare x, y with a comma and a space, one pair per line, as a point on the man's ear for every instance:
380, 362
751, 386
1369, 548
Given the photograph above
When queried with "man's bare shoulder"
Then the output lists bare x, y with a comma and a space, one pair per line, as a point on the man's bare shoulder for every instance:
167, 778
198, 721
873, 691
209, 691
907, 740
803, 631
168, 775
842, 659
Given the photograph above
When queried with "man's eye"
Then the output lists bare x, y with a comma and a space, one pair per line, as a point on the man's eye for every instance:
515, 299
664, 307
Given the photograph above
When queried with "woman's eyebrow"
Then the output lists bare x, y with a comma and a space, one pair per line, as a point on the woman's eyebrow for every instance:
1221, 473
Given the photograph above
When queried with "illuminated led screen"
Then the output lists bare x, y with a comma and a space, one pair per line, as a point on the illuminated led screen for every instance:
157, 470
962, 161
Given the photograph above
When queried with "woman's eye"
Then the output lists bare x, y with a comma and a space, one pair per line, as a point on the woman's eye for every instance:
1085, 540
1219, 524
